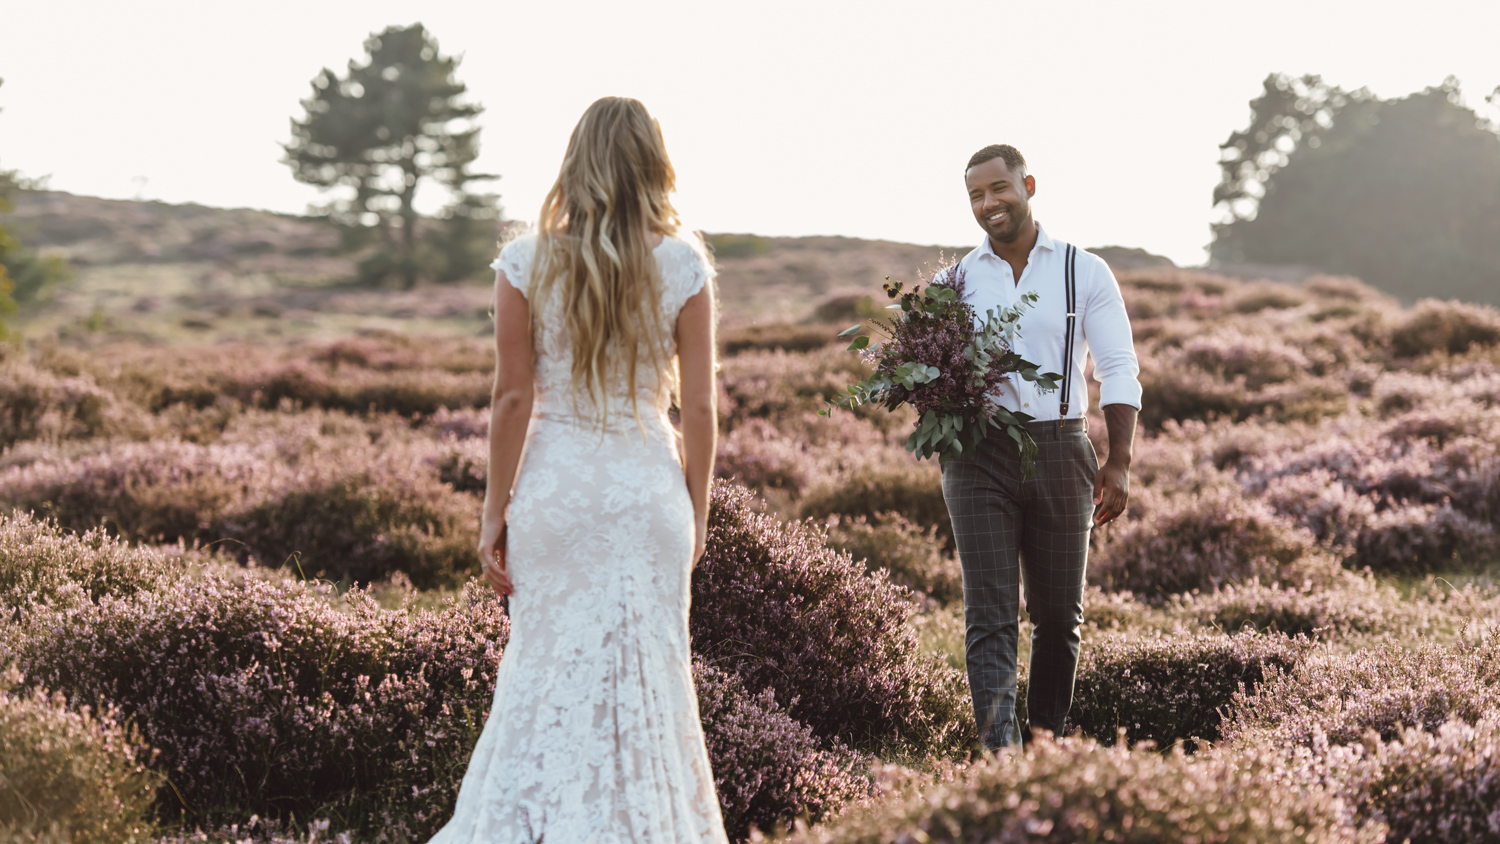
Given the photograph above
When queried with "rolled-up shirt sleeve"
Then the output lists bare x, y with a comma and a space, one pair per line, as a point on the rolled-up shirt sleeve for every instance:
1106, 329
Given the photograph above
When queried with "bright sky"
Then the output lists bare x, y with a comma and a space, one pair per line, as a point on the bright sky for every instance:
783, 118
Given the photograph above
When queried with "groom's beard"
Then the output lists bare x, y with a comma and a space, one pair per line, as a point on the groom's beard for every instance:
1010, 228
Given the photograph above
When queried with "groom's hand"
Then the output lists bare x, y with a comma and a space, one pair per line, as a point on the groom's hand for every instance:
1112, 481
1111, 491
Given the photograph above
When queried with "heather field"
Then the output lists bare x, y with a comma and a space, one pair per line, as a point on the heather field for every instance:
239, 596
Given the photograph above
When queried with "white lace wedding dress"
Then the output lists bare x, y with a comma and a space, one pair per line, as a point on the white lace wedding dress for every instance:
594, 735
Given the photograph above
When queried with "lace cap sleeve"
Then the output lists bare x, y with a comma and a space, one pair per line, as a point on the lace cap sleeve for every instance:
515, 262
687, 270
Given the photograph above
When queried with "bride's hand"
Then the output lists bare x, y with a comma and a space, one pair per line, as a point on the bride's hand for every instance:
492, 556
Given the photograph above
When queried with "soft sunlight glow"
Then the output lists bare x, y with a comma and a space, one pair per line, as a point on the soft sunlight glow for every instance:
783, 118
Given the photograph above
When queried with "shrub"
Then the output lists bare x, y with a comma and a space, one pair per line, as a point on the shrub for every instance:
1318, 501
1205, 540
1175, 392
768, 768
1257, 297
913, 556
1078, 790
774, 605
1450, 327
1438, 787
773, 384
69, 775
1166, 688
1258, 359
1384, 687
915, 490
161, 490
462, 463
779, 336
404, 392
1423, 538
362, 519
339, 505
43, 565
1356, 605
264, 698
761, 457
38, 404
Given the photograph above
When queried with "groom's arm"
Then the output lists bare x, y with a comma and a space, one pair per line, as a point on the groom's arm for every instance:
1106, 327
1112, 483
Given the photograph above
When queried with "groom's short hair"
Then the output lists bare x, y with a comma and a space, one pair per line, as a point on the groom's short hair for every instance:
1014, 161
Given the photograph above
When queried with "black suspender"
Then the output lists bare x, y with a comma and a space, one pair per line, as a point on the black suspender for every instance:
1070, 280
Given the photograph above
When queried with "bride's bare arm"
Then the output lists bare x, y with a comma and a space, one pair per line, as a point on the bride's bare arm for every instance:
510, 414
700, 419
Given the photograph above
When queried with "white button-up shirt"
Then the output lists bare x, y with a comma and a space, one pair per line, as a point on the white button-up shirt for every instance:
1101, 326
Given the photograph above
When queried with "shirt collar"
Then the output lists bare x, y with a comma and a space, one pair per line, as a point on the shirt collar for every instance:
1043, 241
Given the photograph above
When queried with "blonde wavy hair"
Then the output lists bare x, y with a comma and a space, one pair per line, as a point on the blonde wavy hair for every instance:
594, 250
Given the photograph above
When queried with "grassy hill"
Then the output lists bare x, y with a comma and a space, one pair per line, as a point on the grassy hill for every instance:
189, 273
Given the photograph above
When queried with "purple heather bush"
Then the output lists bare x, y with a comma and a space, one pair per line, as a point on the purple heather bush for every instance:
760, 456
293, 488
1173, 392
43, 565
1257, 359
340, 710
1204, 541
1318, 501
1355, 606
264, 698
384, 373
1336, 698
1426, 537
1079, 790
1166, 688
902, 485
912, 556
1441, 786
67, 774
362, 519
786, 337
1451, 327
772, 385
36, 403
768, 767
834, 641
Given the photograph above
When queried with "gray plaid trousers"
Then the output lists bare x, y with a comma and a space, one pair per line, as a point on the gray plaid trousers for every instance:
1007, 531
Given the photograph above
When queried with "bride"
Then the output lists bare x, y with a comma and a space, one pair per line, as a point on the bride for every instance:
602, 318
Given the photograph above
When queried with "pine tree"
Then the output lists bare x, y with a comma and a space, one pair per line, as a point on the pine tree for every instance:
393, 122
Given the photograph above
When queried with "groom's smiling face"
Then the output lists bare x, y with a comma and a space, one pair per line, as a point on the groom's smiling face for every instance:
1001, 199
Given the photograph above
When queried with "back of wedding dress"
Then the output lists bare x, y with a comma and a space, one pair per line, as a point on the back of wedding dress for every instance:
594, 733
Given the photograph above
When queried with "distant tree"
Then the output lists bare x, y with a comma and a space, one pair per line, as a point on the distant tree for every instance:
1403, 193
24, 275
393, 122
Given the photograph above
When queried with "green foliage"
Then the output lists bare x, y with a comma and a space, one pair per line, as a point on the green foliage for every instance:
384, 128
24, 275
936, 326
738, 245
1403, 193
69, 776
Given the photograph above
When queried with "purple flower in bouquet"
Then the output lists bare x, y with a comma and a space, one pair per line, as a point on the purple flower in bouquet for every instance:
937, 356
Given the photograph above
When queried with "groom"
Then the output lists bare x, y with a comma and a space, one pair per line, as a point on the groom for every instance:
1010, 530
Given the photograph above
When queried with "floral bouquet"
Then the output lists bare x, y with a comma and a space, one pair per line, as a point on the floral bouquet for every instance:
933, 357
